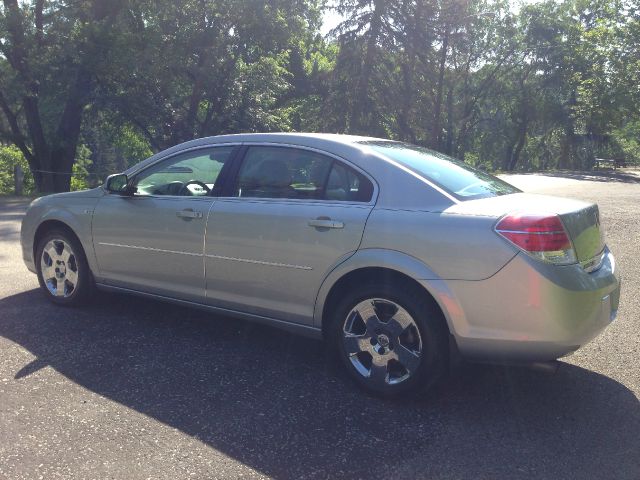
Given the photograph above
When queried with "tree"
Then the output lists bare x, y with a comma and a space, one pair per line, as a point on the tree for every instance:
204, 67
49, 55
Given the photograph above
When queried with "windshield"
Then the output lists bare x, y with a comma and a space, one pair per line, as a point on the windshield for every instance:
456, 178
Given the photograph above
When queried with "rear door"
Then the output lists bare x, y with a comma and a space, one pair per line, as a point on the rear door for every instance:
288, 217
153, 241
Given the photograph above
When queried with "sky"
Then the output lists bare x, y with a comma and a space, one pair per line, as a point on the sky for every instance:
330, 20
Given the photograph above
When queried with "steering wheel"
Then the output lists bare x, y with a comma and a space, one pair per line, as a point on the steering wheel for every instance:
186, 191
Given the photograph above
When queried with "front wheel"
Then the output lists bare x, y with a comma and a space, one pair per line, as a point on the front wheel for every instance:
392, 339
63, 272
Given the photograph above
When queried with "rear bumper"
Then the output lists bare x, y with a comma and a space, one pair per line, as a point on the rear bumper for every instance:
530, 311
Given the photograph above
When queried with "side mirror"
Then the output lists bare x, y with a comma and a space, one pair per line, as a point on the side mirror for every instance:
119, 184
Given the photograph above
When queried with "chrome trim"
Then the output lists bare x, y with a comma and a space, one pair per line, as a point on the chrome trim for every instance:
136, 247
297, 201
380, 341
221, 257
554, 232
594, 263
260, 262
325, 223
376, 187
57, 263
188, 213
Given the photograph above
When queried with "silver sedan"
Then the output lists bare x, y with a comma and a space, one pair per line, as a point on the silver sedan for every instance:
396, 255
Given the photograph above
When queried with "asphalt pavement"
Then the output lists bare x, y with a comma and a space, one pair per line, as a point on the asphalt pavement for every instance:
128, 388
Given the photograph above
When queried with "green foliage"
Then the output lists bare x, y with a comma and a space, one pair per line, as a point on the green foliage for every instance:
10, 156
94, 87
81, 176
627, 138
132, 146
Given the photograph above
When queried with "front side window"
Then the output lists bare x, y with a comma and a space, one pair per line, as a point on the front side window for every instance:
457, 178
192, 173
284, 172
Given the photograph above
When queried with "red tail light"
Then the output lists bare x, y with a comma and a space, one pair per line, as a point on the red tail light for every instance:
541, 236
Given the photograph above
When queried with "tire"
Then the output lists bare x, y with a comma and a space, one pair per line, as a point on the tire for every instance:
61, 262
402, 347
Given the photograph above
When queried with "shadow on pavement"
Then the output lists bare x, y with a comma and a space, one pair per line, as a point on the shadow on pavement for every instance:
11, 210
9, 235
273, 402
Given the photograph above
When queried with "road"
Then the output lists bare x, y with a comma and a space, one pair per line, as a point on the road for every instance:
128, 388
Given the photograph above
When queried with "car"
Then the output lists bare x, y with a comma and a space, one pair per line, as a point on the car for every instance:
401, 258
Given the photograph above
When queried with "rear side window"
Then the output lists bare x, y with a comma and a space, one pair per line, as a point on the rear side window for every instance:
457, 178
345, 184
284, 172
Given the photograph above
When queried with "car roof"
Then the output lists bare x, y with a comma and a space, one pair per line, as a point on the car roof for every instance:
335, 143
291, 136
403, 190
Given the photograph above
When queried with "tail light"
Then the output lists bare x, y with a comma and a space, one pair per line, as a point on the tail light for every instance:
540, 236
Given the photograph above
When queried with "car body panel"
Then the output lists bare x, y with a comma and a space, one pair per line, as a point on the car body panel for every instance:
453, 246
380, 258
260, 260
73, 209
264, 255
533, 311
142, 243
581, 219
497, 206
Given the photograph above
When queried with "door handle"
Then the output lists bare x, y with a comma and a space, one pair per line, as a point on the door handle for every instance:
189, 213
325, 222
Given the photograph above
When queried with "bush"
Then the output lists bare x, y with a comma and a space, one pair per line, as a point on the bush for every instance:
10, 156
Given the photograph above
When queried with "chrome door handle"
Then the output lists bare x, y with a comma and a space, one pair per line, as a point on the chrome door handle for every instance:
325, 222
189, 213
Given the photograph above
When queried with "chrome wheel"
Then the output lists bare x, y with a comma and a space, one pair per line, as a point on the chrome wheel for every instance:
382, 341
59, 268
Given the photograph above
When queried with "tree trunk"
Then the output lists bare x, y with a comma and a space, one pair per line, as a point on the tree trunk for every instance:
361, 111
521, 142
50, 155
405, 132
507, 156
436, 128
449, 142
567, 149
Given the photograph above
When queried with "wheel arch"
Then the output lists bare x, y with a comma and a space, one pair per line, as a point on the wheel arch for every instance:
51, 224
386, 265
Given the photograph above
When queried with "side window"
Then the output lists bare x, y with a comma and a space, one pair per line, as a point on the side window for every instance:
281, 172
347, 185
284, 172
192, 173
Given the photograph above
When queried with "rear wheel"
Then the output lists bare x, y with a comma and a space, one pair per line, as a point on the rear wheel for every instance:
391, 338
63, 271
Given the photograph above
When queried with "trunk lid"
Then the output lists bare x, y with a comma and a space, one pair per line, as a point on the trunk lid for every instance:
581, 219
585, 231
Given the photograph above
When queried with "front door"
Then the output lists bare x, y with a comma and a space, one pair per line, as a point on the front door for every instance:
153, 241
290, 216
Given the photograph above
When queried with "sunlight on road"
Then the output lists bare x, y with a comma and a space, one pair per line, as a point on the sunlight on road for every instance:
537, 183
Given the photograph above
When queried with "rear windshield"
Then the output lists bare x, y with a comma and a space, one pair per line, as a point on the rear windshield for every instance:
457, 178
